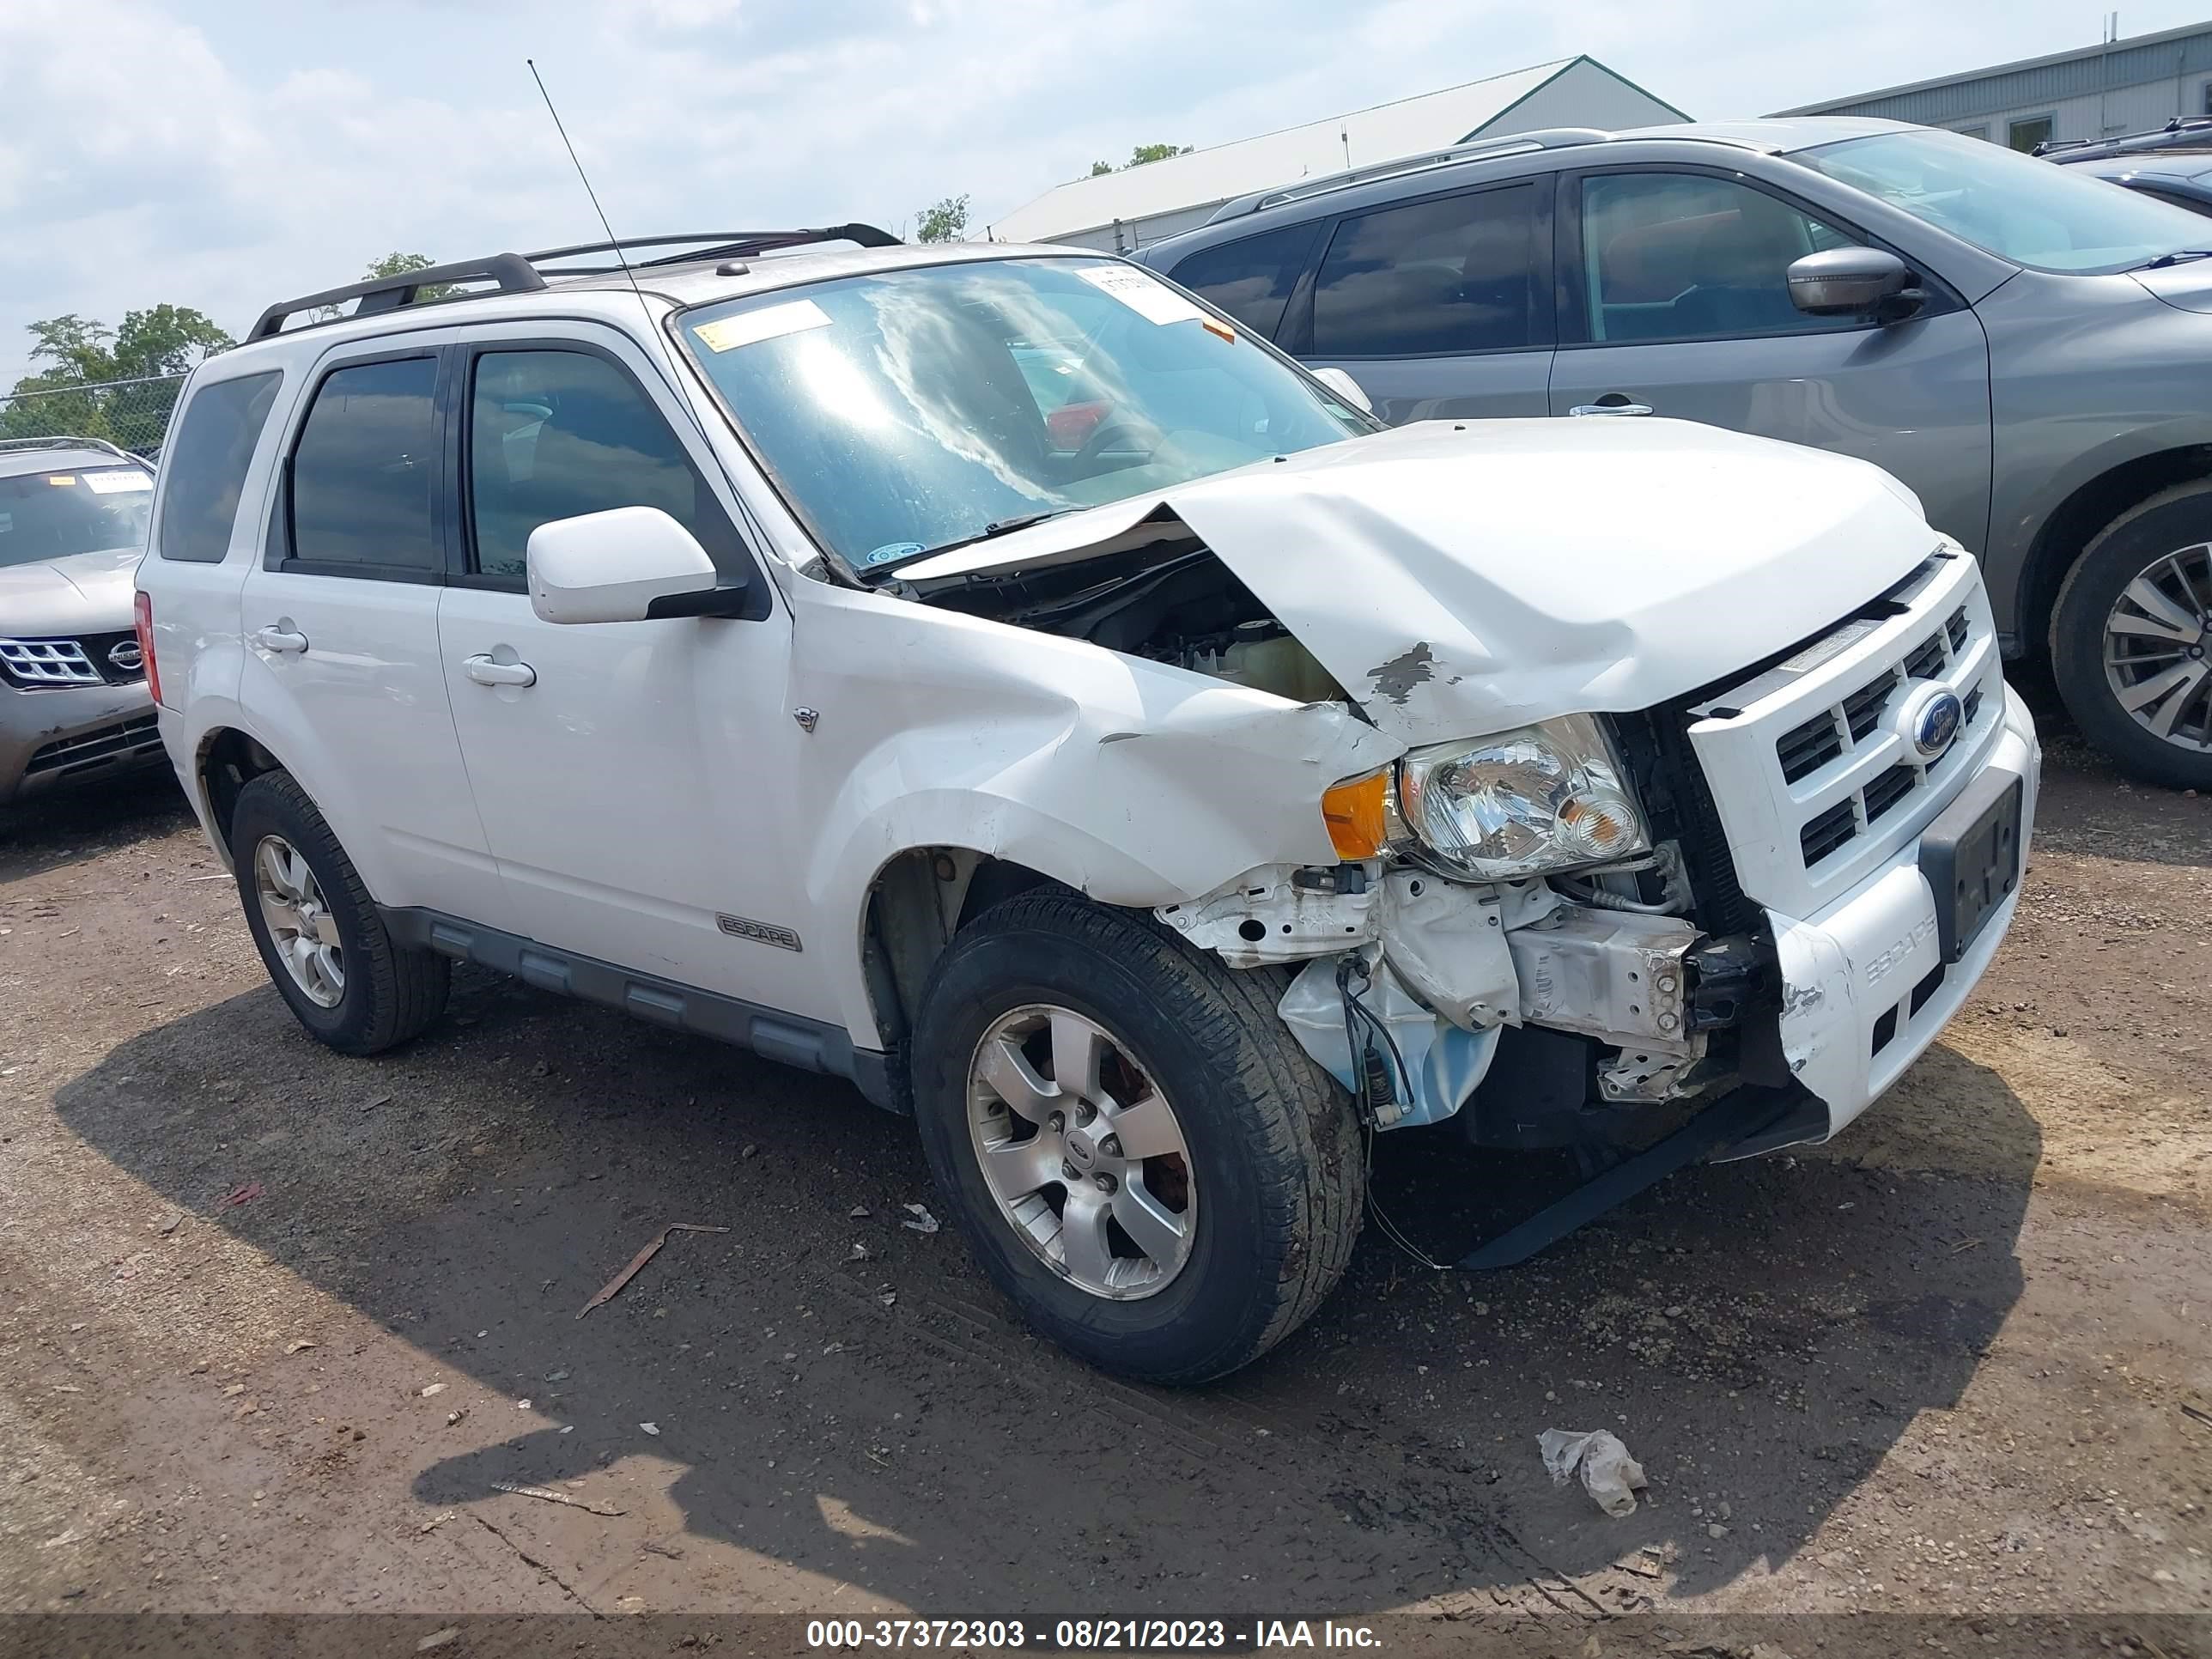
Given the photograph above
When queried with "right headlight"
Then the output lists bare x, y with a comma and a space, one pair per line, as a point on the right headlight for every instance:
1529, 802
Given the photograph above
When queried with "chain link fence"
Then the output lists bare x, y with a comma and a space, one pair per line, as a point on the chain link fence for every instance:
132, 415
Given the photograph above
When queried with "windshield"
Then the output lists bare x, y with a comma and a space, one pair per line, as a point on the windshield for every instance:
907, 410
2032, 212
51, 515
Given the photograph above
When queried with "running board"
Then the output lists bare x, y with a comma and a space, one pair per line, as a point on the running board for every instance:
1738, 1118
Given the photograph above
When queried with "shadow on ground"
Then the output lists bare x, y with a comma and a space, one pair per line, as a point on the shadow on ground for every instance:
1761, 1332
48, 832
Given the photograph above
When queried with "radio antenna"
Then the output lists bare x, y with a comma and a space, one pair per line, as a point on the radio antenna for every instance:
575, 161
670, 377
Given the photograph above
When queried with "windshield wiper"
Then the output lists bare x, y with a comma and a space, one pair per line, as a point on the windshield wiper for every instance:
2180, 256
995, 528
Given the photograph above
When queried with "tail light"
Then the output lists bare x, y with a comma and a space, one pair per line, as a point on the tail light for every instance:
143, 609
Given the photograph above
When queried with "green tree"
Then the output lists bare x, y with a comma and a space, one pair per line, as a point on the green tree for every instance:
942, 222
78, 356
165, 340
1139, 156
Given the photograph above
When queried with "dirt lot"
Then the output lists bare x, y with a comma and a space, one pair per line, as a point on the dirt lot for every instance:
274, 1324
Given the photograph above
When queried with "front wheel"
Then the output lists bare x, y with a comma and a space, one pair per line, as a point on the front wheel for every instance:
2131, 639
1137, 1149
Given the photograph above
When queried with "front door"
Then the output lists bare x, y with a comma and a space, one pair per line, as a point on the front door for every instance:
632, 777
1676, 303
345, 673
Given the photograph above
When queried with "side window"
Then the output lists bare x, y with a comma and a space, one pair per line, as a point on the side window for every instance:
1251, 280
206, 465
365, 469
1684, 257
1455, 274
554, 434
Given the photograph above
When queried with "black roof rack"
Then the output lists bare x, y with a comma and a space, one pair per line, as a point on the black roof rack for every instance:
702, 245
524, 273
2183, 131
511, 271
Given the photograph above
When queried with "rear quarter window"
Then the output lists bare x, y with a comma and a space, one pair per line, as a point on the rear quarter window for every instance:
206, 463
1251, 279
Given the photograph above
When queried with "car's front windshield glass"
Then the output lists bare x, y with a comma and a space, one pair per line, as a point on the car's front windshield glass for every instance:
2032, 212
93, 509
912, 409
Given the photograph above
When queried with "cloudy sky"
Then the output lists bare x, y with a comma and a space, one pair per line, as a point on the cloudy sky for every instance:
223, 153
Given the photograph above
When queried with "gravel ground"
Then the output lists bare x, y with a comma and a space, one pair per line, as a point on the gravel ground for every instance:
277, 1327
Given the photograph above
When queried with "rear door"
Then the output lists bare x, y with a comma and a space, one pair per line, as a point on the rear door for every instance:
343, 678
1441, 308
1673, 300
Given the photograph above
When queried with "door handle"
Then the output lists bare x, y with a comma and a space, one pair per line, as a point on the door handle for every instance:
484, 672
1622, 406
280, 638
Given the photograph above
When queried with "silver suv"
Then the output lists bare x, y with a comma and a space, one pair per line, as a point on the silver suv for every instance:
73, 703
2027, 348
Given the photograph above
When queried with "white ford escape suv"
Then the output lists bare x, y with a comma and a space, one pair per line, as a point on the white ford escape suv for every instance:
993, 676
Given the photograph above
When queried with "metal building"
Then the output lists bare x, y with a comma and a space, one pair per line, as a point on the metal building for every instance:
1118, 212
2128, 85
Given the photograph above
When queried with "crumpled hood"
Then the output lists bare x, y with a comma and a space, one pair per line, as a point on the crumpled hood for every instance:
1459, 578
84, 593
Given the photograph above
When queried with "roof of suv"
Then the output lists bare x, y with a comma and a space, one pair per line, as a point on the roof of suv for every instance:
536, 283
1771, 136
20, 456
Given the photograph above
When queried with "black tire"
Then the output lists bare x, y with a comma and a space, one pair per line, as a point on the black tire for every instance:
2169, 521
1274, 1145
390, 993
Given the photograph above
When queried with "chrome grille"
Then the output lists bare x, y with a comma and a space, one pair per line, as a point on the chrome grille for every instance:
47, 662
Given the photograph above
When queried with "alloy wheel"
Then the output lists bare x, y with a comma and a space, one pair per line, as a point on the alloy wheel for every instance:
2158, 647
1082, 1152
301, 928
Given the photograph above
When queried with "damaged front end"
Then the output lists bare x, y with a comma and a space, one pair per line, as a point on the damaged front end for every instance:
1586, 929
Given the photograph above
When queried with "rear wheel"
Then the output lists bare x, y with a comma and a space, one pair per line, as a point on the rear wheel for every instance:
2131, 639
325, 947
1138, 1151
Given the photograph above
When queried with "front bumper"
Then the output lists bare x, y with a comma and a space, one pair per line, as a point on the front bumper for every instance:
59, 737
1864, 988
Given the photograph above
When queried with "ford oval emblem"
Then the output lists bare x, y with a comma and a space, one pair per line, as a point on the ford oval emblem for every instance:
1936, 723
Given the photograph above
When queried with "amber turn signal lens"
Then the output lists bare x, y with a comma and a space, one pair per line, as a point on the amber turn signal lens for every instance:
1355, 812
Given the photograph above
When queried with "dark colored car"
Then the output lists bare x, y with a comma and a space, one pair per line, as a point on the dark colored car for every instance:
2183, 176
2028, 351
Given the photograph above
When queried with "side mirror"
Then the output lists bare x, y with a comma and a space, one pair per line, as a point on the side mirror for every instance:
1344, 387
1851, 282
629, 564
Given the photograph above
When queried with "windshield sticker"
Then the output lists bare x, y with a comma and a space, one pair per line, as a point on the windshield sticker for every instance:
890, 550
1152, 301
751, 327
65, 479
121, 482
